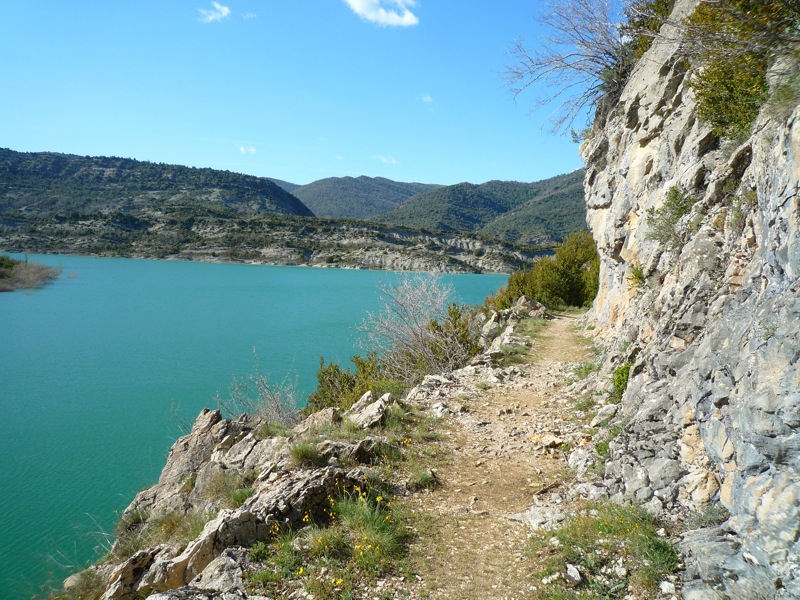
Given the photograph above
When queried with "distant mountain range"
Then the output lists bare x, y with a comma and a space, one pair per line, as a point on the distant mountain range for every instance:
528, 213
51, 202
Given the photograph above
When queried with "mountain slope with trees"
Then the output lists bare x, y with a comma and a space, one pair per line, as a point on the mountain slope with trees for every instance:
539, 212
42, 184
57, 203
356, 197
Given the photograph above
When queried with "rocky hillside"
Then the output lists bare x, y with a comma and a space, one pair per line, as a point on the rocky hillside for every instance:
219, 236
57, 203
256, 507
700, 253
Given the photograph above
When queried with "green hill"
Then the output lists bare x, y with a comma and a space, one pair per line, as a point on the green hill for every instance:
550, 215
356, 197
289, 187
539, 212
45, 183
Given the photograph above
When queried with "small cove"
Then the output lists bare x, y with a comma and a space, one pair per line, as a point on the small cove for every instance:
93, 366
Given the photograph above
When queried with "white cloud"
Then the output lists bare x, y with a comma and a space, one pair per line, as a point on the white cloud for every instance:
375, 11
386, 160
247, 150
209, 16
250, 15
427, 99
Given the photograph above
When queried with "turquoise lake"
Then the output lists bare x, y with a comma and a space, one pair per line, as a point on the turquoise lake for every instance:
98, 369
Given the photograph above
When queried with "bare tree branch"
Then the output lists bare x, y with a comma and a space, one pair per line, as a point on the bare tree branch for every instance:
585, 57
411, 332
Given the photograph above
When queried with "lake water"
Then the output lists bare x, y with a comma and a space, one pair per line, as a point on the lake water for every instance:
98, 369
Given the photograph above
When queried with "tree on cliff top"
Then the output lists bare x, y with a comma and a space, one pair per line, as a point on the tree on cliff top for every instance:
586, 57
588, 54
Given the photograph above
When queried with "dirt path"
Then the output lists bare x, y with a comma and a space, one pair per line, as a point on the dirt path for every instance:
504, 459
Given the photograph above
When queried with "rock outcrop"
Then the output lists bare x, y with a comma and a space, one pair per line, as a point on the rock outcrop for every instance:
281, 494
711, 325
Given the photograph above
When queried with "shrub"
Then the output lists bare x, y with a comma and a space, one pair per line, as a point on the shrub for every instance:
584, 55
644, 21
341, 388
24, 275
621, 375
730, 94
636, 276
275, 404
569, 278
420, 331
664, 223
734, 44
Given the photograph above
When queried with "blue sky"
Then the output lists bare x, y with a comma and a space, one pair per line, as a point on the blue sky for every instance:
298, 90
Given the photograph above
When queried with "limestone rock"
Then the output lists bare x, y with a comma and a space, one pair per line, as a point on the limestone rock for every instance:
712, 399
572, 576
540, 517
604, 414
365, 413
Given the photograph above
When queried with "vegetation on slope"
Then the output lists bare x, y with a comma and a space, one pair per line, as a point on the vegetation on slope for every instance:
286, 185
733, 45
41, 184
356, 197
548, 217
741, 54
112, 206
538, 212
24, 275
570, 278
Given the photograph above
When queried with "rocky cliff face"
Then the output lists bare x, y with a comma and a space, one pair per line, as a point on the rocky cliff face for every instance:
711, 323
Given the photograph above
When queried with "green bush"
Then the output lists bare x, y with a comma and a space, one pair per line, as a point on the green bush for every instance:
569, 278
341, 388
663, 224
7, 264
730, 94
621, 375
734, 44
636, 276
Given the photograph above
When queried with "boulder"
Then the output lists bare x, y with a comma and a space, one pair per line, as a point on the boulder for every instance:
366, 413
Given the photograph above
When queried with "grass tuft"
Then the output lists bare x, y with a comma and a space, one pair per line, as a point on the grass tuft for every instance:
616, 548
304, 454
364, 538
